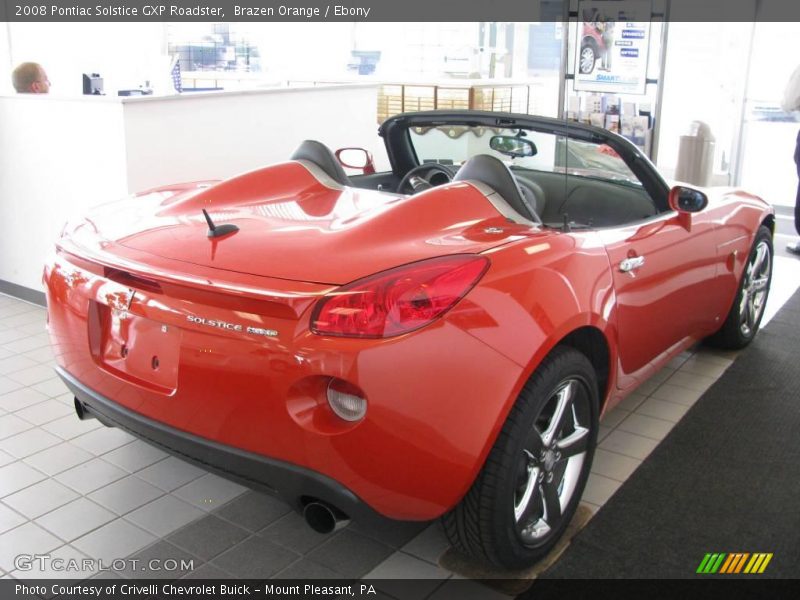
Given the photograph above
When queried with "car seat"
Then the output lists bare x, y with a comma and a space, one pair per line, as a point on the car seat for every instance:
319, 154
494, 173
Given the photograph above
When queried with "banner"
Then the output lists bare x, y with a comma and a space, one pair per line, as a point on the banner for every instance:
612, 46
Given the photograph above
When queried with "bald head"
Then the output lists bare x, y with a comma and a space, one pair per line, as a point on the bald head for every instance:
30, 78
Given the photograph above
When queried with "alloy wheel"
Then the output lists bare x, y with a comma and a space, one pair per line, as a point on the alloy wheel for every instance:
552, 461
587, 59
754, 290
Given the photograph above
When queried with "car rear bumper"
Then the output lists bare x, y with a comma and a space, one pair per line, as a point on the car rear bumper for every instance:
294, 484
256, 407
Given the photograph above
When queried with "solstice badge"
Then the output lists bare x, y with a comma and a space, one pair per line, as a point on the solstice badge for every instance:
238, 327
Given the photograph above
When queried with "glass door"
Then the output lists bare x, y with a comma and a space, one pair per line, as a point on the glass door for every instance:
768, 138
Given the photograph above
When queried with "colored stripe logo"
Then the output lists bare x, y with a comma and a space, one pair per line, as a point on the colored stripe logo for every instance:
734, 563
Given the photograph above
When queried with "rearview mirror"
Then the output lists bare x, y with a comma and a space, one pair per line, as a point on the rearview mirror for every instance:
513, 146
356, 158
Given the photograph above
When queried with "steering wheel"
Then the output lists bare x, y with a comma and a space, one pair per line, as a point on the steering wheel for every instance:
421, 176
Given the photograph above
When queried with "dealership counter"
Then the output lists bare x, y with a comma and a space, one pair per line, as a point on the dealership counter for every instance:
60, 155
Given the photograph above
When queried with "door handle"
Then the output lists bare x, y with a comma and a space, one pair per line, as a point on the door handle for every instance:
629, 264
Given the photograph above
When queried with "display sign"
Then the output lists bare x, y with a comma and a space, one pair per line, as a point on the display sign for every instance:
612, 46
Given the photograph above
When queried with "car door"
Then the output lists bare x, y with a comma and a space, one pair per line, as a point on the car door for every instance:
663, 269
664, 263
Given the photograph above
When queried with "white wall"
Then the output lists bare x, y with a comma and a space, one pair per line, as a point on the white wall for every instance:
57, 157
212, 136
5, 57
60, 156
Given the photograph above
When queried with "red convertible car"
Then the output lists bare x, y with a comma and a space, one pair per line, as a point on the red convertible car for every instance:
593, 46
435, 340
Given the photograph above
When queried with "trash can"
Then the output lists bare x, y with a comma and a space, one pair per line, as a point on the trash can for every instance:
696, 155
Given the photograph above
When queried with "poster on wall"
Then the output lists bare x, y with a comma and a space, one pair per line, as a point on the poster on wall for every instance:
612, 46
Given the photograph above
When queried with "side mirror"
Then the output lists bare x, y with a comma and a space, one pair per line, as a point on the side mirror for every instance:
356, 158
687, 200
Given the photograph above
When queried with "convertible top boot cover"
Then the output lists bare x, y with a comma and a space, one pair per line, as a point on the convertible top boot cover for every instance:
287, 219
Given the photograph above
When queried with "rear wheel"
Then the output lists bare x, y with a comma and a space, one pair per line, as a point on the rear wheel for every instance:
744, 318
530, 486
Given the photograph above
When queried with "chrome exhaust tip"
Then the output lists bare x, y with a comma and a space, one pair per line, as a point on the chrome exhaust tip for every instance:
323, 518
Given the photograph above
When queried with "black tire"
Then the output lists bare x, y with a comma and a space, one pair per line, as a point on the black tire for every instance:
493, 521
744, 318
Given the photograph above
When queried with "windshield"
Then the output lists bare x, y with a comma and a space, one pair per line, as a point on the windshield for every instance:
455, 144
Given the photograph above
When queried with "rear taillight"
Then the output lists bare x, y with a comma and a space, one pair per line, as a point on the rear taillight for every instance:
399, 300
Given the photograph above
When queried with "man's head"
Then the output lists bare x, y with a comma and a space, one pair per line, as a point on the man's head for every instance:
30, 78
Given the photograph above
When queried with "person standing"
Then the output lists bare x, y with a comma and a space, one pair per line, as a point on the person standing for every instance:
791, 102
30, 78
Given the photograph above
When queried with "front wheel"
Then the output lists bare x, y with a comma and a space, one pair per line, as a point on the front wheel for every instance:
745, 316
529, 488
588, 59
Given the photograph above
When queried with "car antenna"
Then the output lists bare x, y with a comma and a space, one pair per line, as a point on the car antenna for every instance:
566, 228
215, 231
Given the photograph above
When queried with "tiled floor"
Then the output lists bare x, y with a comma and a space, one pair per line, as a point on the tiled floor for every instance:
76, 489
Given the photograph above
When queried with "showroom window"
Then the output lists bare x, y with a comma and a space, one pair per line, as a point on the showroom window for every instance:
768, 134
704, 80
212, 47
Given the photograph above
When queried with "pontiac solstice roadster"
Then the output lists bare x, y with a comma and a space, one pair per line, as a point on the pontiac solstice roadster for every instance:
435, 340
